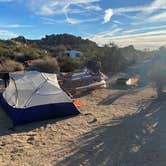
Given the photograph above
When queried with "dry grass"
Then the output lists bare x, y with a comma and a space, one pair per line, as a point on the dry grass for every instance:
48, 65
10, 66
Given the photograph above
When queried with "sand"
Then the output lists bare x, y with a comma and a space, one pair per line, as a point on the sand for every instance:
116, 127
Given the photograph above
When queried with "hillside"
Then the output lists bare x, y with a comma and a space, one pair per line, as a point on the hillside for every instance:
112, 58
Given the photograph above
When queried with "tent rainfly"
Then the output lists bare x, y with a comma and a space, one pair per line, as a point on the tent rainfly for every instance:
33, 96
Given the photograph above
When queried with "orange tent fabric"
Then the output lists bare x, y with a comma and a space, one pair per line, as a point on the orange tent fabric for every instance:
78, 103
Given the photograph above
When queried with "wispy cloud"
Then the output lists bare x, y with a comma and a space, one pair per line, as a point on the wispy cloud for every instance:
143, 11
4, 34
55, 7
144, 29
117, 22
161, 17
150, 33
157, 4
93, 8
6, 0
66, 7
154, 38
104, 37
15, 26
51, 21
79, 21
46, 10
143, 41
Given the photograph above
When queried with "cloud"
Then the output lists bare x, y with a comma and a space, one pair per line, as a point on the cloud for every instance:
161, 17
117, 22
93, 7
142, 11
78, 21
110, 33
130, 31
141, 40
104, 37
143, 34
51, 21
157, 4
50, 7
65, 7
15, 26
108, 14
6, 0
46, 10
4, 34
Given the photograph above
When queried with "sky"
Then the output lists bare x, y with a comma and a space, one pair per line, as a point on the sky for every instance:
141, 23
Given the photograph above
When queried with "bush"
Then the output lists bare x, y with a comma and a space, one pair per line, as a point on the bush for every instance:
10, 66
94, 66
48, 65
58, 51
157, 75
67, 64
24, 57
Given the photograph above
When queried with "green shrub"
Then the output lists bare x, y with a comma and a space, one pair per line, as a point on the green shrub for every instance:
67, 64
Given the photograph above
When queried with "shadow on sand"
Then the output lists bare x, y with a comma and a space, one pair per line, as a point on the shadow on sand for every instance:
137, 140
112, 98
7, 128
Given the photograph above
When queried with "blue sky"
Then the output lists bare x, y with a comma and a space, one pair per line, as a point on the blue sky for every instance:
141, 23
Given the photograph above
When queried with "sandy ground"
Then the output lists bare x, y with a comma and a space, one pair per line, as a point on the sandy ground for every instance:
116, 127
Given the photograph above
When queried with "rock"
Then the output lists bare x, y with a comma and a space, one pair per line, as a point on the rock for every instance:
30, 140
92, 120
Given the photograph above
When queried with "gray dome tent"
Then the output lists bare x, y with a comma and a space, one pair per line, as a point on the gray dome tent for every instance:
32, 96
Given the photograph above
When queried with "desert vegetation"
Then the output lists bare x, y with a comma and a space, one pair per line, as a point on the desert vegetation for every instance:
48, 65
157, 75
7, 65
49, 52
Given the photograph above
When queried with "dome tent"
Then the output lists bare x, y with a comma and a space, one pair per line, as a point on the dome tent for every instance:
33, 96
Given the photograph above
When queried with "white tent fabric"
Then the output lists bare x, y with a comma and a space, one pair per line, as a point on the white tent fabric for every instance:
28, 89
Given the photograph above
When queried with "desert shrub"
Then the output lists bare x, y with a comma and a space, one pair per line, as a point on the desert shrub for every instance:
22, 58
10, 66
67, 64
58, 50
157, 75
94, 66
48, 65
112, 60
